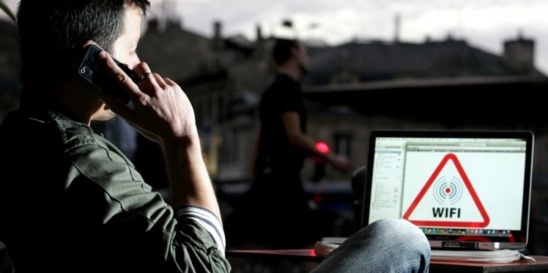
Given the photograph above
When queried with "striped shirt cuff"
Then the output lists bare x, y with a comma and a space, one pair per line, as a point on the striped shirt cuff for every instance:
207, 220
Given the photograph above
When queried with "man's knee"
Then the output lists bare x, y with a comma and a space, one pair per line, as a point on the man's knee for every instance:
395, 230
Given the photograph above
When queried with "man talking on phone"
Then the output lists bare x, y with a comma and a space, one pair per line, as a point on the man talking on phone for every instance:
70, 201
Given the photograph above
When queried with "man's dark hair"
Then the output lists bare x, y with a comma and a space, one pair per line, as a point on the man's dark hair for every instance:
53, 32
282, 49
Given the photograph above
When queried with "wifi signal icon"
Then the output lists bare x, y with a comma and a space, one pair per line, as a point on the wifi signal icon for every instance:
447, 190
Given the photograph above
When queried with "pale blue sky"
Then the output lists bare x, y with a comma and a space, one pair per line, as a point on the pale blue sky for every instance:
484, 24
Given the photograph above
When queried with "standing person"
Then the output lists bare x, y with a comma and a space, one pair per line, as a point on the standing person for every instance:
277, 196
70, 201
274, 213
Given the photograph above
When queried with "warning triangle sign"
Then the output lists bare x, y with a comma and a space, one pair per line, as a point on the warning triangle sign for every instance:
446, 190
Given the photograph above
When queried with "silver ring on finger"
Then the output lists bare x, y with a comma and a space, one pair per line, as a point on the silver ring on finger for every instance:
144, 76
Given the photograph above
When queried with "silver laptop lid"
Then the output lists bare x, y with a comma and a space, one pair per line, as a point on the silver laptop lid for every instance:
464, 189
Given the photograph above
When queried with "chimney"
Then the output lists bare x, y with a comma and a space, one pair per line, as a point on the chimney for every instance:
152, 26
217, 36
259, 33
173, 23
520, 54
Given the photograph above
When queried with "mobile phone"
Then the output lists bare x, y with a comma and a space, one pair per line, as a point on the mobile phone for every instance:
93, 72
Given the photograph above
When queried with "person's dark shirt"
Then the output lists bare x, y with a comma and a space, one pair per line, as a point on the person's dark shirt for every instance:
275, 151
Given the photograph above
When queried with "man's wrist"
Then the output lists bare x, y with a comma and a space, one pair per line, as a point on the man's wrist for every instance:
188, 144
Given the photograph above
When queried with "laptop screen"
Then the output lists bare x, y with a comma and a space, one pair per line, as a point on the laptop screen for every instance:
457, 186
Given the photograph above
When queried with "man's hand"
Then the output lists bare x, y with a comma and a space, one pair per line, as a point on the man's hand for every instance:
161, 110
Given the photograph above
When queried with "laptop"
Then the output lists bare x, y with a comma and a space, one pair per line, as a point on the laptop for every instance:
466, 190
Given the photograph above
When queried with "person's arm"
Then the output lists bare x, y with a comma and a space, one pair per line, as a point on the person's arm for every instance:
162, 112
297, 138
190, 183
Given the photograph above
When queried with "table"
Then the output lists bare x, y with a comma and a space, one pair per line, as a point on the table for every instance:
308, 255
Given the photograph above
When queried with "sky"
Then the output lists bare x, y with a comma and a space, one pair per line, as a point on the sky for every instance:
484, 24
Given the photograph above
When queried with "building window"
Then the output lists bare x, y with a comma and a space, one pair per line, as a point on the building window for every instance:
342, 144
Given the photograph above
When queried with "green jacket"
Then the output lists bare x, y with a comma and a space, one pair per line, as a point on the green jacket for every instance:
70, 201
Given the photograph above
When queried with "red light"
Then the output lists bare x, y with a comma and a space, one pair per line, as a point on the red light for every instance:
322, 147
317, 199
